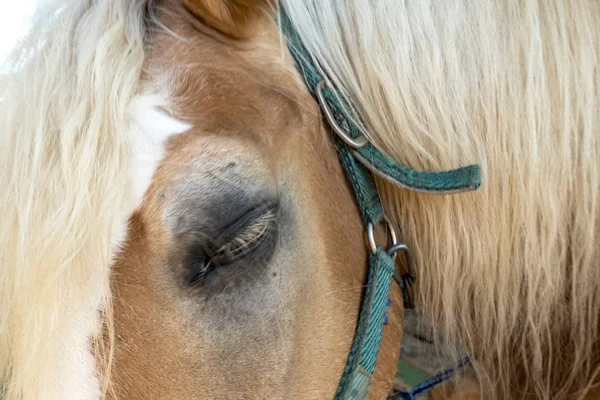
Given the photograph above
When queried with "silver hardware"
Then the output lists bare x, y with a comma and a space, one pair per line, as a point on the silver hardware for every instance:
393, 251
406, 281
371, 236
355, 143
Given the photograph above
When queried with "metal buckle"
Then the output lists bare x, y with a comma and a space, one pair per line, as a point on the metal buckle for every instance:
407, 280
355, 143
371, 237
393, 251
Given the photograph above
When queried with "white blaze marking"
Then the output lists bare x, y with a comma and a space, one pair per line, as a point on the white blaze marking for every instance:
151, 129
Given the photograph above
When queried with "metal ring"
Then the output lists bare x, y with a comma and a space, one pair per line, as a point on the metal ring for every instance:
393, 251
371, 236
355, 143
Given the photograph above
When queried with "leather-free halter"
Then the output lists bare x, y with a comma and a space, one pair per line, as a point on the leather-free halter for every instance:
360, 160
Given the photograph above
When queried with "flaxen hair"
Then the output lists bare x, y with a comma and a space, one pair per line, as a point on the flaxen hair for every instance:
64, 93
513, 270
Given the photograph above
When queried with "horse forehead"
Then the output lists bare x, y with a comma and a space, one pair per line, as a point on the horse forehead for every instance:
223, 81
229, 93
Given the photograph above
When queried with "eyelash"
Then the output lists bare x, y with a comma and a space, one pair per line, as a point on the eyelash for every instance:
248, 239
244, 243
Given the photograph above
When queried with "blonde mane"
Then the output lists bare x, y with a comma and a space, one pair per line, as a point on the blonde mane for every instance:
512, 270
65, 184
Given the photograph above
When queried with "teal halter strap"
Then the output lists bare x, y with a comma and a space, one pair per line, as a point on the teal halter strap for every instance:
457, 180
360, 159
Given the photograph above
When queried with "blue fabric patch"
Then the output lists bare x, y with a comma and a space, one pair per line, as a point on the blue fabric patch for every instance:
387, 312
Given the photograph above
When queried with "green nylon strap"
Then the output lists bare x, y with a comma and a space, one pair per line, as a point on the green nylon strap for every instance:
360, 366
359, 165
358, 373
364, 187
360, 177
456, 180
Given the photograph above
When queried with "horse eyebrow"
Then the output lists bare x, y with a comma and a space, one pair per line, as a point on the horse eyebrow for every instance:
225, 205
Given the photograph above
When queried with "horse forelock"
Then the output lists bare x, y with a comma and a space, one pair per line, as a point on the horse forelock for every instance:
66, 198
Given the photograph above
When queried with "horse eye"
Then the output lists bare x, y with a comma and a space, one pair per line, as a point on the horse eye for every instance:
247, 240
241, 242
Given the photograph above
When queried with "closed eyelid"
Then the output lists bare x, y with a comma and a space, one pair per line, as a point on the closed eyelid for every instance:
251, 234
